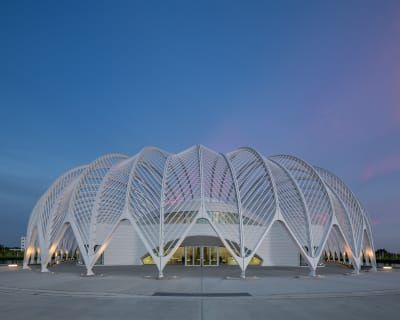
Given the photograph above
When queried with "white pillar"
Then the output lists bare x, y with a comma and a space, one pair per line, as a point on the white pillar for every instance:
313, 263
89, 272
44, 267
356, 265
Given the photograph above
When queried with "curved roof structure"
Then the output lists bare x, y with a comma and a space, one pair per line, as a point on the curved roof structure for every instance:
241, 194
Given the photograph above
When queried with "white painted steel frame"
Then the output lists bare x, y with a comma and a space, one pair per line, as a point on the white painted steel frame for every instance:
163, 195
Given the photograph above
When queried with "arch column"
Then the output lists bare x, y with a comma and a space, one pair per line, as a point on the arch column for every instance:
313, 268
50, 251
30, 249
356, 264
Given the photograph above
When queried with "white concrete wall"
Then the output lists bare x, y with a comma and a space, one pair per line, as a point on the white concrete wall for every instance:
202, 229
125, 247
278, 249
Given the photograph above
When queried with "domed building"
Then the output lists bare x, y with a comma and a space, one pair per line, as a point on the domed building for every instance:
199, 208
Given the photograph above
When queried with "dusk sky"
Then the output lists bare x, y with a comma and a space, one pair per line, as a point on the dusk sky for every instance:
316, 79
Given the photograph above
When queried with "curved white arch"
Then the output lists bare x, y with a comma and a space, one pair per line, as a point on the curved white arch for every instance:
319, 205
304, 204
83, 199
45, 212
347, 216
130, 208
247, 256
357, 215
105, 186
241, 194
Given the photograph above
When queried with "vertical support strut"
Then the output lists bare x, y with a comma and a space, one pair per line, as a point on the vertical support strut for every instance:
239, 208
44, 267
161, 230
313, 267
161, 247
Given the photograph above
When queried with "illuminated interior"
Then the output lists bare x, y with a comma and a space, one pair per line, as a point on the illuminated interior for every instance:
205, 256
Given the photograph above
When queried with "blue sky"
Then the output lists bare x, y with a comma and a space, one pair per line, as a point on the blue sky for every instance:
318, 80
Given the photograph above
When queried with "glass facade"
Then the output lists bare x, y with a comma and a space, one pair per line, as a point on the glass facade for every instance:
202, 256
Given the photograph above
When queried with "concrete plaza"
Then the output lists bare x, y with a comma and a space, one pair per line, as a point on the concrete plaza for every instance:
197, 293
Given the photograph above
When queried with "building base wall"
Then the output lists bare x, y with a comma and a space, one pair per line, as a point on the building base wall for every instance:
125, 247
278, 249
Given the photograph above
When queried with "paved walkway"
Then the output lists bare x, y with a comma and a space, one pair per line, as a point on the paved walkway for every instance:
197, 293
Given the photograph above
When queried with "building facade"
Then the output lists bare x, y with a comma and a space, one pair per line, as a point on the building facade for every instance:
199, 207
23, 243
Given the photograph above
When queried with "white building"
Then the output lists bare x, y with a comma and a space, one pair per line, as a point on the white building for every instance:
199, 207
23, 243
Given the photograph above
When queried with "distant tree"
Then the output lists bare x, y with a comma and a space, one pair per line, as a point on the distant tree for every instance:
383, 254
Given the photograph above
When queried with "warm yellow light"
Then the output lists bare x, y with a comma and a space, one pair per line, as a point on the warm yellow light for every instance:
387, 267
255, 261
369, 253
12, 265
148, 260
101, 249
232, 261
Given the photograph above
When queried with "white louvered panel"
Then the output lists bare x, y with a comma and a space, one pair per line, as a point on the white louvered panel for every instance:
278, 249
125, 247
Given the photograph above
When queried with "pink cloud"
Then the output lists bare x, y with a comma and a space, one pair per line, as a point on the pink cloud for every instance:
386, 220
384, 211
396, 113
382, 167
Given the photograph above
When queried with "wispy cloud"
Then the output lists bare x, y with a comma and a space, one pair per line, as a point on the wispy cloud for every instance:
381, 167
396, 113
227, 136
383, 213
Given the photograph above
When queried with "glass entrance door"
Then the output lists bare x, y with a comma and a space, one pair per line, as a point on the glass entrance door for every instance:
201, 256
210, 256
193, 256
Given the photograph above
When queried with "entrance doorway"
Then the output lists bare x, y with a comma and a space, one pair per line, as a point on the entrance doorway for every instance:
201, 256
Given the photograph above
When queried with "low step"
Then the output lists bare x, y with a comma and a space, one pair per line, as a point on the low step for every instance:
202, 294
